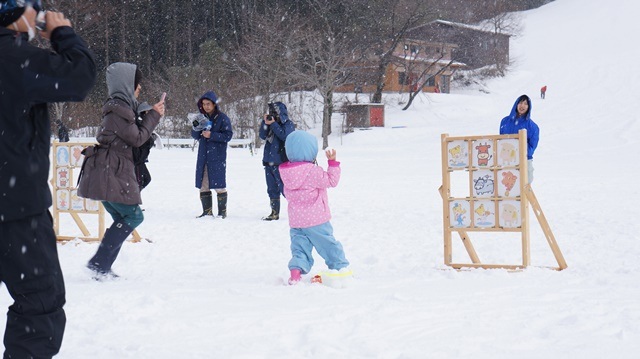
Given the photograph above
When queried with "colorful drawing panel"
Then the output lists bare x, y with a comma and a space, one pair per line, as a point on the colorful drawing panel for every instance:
62, 199
77, 203
482, 153
460, 214
508, 183
510, 216
92, 206
62, 156
508, 152
483, 183
62, 177
76, 155
484, 214
458, 154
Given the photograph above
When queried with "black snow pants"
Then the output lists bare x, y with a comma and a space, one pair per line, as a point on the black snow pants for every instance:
30, 269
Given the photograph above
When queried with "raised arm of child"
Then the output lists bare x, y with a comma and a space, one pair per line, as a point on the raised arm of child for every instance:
331, 154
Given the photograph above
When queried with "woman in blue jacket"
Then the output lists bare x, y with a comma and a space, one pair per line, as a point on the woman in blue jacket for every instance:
520, 118
211, 166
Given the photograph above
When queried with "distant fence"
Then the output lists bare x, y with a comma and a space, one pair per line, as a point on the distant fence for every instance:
191, 143
183, 142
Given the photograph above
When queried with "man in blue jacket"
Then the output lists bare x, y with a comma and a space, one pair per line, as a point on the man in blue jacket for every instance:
520, 118
31, 77
274, 130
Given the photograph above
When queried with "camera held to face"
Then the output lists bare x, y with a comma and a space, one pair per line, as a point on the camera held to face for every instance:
273, 113
41, 20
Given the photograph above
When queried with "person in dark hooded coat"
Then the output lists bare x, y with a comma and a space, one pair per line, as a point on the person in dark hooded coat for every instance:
274, 130
211, 165
108, 173
63, 131
30, 78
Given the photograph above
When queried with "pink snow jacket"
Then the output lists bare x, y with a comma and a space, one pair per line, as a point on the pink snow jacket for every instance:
305, 187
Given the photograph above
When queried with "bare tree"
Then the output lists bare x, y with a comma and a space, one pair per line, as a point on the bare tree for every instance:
505, 21
329, 48
424, 78
264, 63
394, 17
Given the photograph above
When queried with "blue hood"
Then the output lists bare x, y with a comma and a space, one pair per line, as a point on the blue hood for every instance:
209, 95
514, 109
301, 146
512, 124
282, 111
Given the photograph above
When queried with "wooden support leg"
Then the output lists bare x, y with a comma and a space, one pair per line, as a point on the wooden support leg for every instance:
469, 247
545, 228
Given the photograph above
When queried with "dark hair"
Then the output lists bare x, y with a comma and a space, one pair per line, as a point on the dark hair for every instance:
137, 79
523, 98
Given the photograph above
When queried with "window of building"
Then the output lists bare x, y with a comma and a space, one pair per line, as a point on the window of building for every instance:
431, 82
402, 78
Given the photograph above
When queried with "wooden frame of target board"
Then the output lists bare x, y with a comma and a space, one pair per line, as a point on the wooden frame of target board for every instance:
66, 164
493, 196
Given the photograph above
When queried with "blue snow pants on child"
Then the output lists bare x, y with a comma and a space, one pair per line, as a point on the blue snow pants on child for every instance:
303, 240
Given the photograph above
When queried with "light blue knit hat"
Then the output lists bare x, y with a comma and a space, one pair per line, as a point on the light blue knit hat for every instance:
301, 146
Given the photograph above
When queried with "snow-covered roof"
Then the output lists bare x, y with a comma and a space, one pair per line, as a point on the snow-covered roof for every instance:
429, 60
460, 25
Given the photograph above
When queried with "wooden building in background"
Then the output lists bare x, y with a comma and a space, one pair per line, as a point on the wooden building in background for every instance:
440, 46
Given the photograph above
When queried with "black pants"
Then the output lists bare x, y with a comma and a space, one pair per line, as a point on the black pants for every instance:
30, 269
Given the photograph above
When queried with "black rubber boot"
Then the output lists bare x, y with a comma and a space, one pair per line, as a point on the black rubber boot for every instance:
222, 205
207, 204
275, 210
109, 248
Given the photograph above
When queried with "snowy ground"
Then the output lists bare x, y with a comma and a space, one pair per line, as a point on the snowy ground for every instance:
214, 288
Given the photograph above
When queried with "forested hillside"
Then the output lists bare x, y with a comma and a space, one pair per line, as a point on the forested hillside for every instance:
248, 49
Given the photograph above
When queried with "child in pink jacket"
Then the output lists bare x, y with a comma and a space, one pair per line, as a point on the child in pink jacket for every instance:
305, 187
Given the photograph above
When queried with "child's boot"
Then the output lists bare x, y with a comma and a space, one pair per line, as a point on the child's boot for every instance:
295, 276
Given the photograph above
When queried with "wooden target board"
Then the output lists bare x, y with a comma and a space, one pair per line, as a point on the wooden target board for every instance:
485, 189
67, 159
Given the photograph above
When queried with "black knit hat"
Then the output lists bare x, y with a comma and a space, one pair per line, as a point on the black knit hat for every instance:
10, 11
137, 79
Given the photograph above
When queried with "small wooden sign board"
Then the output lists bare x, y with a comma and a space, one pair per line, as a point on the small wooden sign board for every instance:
492, 194
67, 161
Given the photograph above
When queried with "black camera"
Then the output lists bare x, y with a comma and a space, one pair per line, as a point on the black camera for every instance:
41, 20
273, 113
200, 122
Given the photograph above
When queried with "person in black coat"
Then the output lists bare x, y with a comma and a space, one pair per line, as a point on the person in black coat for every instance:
31, 77
63, 131
274, 130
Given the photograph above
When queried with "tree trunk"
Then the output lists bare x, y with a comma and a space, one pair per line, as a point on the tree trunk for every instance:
326, 118
377, 96
123, 35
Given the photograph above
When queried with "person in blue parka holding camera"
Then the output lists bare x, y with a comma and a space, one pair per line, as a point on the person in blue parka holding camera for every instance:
274, 130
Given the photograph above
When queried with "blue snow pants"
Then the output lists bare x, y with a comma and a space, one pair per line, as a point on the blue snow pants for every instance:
274, 182
320, 237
